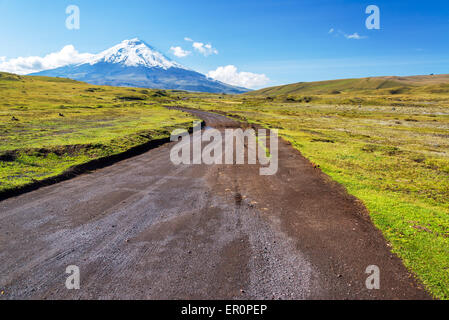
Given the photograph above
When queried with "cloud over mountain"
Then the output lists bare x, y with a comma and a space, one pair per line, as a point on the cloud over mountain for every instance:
204, 49
24, 65
180, 52
229, 74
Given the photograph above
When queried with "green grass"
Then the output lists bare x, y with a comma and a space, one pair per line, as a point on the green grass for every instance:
415, 91
48, 125
386, 140
394, 158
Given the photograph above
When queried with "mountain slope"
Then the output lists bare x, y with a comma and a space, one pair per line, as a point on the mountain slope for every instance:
133, 63
363, 85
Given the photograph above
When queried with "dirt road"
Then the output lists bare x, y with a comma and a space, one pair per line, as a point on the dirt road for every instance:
147, 229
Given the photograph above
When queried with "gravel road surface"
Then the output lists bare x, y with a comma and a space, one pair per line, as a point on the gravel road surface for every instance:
144, 228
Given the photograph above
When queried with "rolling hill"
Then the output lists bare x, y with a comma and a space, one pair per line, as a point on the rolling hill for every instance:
374, 85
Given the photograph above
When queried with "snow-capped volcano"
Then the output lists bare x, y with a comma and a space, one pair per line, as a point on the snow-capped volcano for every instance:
133, 63
135, 53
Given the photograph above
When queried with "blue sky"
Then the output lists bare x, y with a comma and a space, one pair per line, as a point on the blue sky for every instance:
288, 41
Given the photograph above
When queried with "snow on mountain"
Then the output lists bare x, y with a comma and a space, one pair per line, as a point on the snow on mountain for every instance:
133, 63
134, 53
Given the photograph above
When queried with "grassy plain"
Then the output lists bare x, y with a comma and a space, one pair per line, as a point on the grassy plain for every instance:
385, 139
48, 125
390, 150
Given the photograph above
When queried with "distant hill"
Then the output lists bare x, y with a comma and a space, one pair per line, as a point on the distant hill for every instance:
6, 77
387, 85
133, 63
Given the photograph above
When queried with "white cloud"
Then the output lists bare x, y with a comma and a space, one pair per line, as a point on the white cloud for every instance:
180, 52
25, 65
230, 75
204, 49
354, 36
